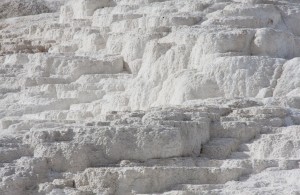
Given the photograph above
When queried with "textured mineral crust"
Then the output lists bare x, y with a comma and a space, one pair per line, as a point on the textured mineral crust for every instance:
127, 97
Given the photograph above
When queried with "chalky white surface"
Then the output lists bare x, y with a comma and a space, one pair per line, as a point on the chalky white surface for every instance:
151, 97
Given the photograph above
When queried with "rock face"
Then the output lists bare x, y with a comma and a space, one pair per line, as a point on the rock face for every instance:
150, 97
14, 8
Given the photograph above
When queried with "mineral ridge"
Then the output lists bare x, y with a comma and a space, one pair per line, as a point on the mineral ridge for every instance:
173, 97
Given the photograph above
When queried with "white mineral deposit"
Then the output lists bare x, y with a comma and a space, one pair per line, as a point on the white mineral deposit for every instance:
169, 97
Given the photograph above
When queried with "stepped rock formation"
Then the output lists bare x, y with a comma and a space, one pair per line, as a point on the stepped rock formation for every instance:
170, 97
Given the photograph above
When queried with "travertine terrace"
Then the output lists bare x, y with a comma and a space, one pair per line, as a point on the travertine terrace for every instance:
173, 97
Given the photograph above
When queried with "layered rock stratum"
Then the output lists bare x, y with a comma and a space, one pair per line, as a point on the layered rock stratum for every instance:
150, 97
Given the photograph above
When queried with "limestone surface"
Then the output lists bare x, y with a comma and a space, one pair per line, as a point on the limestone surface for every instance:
121, 97
14, 8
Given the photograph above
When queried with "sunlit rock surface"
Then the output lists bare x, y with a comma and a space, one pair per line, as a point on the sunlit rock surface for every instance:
150, 97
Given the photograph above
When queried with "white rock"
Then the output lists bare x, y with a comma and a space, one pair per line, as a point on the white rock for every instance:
150, 97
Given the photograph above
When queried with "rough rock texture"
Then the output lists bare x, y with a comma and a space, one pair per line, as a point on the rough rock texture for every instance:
151, 97
15, 8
